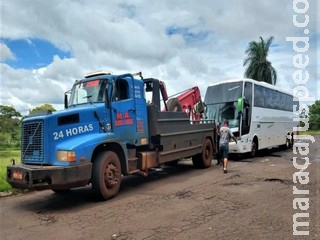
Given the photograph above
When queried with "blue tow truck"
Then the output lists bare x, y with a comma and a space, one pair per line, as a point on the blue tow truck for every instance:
107, 130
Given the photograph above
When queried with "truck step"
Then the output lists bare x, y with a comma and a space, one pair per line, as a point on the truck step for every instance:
131, 153
133, 165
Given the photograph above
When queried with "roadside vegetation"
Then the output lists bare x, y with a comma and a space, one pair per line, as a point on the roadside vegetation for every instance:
310, 132
256, 63
6, 158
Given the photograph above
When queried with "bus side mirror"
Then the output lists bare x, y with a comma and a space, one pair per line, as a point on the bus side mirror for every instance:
240, 104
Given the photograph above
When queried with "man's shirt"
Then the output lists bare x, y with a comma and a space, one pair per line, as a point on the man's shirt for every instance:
225, 135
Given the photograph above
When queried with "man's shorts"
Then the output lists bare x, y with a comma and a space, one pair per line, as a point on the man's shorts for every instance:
224, 151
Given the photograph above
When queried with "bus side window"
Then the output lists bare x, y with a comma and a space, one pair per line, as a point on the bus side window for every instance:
258, 96
289, 103
268, 98
275, 100
282, 101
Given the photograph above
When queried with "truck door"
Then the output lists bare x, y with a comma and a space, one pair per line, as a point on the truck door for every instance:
123, 110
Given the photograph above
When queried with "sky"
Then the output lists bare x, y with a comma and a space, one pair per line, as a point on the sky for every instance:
46, 45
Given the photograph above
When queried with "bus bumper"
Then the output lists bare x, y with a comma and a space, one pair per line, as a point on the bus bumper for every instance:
48, 177
235, 148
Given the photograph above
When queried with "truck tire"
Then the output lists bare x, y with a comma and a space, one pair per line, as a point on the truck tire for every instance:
106, 175
204, 159
61, 191
172, 163
174, 105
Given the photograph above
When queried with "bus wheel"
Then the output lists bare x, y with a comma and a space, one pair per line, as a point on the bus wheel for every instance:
106, 175
254, 148
204, 159
292, 141
288, 143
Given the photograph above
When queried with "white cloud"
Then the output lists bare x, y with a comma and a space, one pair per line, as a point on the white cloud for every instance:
5, 53
26, 89
208, 43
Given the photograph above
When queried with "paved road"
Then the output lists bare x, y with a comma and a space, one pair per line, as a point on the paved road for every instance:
253, 201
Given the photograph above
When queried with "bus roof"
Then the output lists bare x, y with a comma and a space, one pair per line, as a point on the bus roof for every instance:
264, 84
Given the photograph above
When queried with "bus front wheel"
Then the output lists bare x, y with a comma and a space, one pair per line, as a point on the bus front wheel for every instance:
254, 148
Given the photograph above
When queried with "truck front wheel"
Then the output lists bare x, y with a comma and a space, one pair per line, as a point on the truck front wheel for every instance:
204, 159
106, 175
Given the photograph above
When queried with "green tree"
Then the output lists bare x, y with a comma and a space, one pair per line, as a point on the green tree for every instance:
256, 63
10, 126
46, 107
314, 116
9, 112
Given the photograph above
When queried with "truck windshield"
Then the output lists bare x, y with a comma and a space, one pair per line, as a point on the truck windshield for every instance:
221, 101
89, 91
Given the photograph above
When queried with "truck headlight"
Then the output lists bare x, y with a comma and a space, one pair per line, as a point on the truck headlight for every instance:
66, 156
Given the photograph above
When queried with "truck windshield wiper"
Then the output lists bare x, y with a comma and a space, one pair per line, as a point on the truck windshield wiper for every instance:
89, 98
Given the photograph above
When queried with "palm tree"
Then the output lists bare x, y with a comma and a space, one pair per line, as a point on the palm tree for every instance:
257, 65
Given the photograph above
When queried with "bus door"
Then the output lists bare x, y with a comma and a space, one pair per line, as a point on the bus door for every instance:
247, 109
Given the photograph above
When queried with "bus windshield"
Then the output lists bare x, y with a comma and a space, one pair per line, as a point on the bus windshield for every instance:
221, 101
90, 91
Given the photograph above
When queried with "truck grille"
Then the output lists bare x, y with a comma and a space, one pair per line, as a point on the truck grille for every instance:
32, 141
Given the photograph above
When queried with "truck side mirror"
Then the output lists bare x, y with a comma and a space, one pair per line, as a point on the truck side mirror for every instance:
240, 104
107, 99
66, 100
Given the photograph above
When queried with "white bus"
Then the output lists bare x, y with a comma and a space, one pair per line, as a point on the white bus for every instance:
260, 115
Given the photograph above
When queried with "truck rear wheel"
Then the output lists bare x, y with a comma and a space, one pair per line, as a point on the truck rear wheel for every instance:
106, 175
172, 163
204, 159
60, 191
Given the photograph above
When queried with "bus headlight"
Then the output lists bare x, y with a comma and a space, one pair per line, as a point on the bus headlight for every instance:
66, 156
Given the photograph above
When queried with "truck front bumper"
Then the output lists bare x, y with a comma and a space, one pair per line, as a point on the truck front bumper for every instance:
48, 177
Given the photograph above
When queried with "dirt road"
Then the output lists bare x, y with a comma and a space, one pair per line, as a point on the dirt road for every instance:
254, 200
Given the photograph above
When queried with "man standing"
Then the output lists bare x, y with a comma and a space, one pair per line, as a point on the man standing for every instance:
225, 135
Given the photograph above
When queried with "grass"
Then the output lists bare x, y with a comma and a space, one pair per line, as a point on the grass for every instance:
5, 159
310, 132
